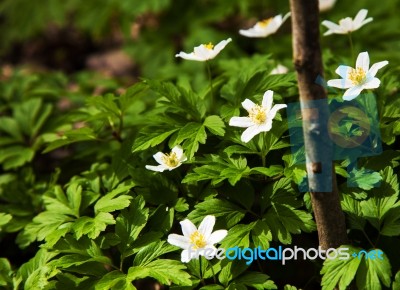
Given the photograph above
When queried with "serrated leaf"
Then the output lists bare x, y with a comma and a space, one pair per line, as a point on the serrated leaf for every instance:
372, 273
110, 202
230, 213
152, 137
129, 224
363, 178
340, 272
215, 125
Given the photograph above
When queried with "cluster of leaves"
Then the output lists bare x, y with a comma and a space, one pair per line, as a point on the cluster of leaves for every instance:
83, 212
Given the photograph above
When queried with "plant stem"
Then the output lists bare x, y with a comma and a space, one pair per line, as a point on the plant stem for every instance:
201, 273
351, 46
211, 86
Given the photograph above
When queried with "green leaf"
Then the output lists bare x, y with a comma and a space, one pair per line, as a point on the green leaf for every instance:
152, 137
215, 125
353, 210
114, 280
256, 280
110, 202
165, 271
15, 156
129, 224
230, 270
238, 236
376, 209
5, 272
396, 282
152, 251
363, 178
192, 134
374, 272
4, 219
340, 272
261, 235
230, 213
284, 220
92, 226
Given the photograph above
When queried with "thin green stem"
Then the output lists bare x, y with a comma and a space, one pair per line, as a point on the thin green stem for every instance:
212, 100
351, 46
368, 239
201, 273
213, 273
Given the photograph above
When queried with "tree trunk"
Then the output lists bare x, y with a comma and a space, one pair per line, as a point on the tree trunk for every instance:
307, 58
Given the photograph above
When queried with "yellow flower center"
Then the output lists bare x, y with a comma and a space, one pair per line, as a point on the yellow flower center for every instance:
265, 22
171, 160
209, 46
258, 115
197, 240
357, 76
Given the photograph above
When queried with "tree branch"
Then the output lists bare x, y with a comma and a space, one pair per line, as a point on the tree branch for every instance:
315, 113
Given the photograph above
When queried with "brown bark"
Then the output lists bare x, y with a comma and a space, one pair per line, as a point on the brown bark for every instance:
307, 58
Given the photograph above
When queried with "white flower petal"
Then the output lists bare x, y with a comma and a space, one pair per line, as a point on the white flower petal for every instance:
158, 157
372, 84
178, 151
363, 61
220, 46
376, 66
207, 226
179, 241
251, 33
275, 109
267, 100
242, 122
267, 125
279, 69
248, 105
249, 133
159, 168
346, 25
333, 27
217, 236
189, 56
203, 52
368, 20
361, 15
325, 5
344, 71
352, 93
188, 228
340, 83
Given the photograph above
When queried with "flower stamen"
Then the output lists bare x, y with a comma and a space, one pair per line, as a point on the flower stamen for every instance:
258, 115
197, 240
209, 46
357, 76
265, 22
171, 160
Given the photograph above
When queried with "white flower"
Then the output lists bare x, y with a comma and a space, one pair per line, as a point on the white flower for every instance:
279, 69
347, 25
168, 161
260, 117
195, 242
358, 79
204, 52
325, 5
265, 27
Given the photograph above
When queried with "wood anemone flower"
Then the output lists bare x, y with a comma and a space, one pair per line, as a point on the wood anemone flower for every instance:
204, 52
357, 79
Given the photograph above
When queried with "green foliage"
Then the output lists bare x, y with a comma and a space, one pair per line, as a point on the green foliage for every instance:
370, 273
78, 209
